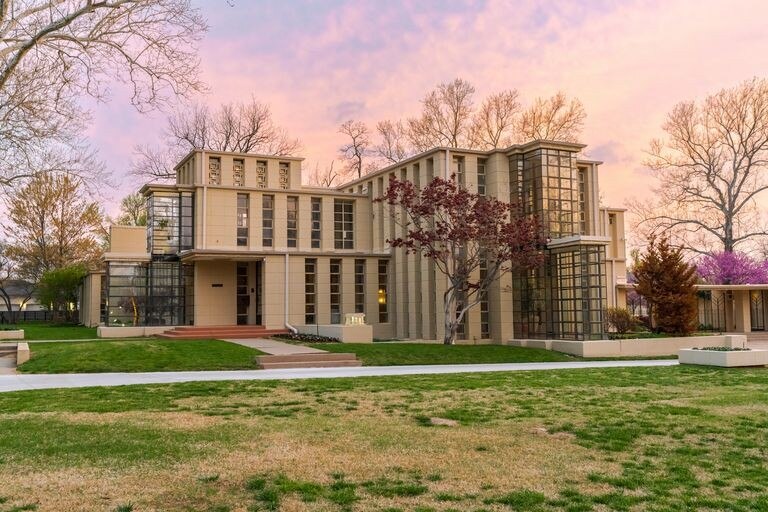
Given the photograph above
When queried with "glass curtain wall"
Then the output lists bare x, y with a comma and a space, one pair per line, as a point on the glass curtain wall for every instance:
156, 293
170, 223
544, 183
564, 299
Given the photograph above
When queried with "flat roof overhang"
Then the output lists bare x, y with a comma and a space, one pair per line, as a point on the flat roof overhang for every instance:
724, 287
576, 240
222, 255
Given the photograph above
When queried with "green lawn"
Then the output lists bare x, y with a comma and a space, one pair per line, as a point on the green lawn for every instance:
388, 354
614, 439
137, 356
45, 331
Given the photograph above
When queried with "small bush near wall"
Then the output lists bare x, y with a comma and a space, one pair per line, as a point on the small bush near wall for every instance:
305, 338
619, 320
638, 335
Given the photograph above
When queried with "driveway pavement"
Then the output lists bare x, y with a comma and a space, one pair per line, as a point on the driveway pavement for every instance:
50, 381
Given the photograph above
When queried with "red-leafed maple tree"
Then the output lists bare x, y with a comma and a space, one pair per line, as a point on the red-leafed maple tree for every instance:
461, 231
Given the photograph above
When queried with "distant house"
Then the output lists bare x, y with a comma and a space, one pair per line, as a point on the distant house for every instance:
21, 295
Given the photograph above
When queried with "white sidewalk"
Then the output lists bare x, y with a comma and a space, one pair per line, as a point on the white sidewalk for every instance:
80, 380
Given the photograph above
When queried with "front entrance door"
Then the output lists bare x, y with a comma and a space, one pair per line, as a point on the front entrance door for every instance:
242, 286
757, 310
248, 288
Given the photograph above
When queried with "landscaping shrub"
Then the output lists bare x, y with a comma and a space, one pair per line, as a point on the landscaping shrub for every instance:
305, 338
668, 284
619, 319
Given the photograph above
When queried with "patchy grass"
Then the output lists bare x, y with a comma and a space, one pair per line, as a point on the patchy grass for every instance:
614, 439
138, 356
46, 331
388, 354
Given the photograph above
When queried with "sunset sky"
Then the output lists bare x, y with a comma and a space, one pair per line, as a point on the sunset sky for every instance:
318, 64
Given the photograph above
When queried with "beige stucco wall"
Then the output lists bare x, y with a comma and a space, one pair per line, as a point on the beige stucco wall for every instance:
215, 305
90, 299
127, 239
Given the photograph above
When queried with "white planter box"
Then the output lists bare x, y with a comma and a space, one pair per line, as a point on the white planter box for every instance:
727, 359
22, 353
12, 335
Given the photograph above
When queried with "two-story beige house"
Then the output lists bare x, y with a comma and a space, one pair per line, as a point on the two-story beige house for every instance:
239, 240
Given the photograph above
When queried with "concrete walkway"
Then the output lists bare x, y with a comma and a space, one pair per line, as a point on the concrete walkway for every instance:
275, 348
51, 381
8, 365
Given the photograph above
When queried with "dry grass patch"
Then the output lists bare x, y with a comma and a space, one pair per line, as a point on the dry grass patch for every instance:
611, 439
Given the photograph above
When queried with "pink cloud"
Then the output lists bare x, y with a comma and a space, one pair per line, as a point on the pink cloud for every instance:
629, 63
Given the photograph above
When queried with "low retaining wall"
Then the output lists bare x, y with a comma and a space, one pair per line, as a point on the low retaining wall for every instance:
739, 358
22, 353
344, 333
12, 335
131, 332
634, 347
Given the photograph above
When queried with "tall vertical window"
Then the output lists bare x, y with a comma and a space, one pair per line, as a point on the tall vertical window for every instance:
343, 224
238, 172
268, 219
242, 219
335, 291
481, 176
310, 291
317, 218
292, 215
485, 313
458, 170
461, 329
382, 291
261, 174
214, 170
284, 175
359, 286
583, 201
170, 222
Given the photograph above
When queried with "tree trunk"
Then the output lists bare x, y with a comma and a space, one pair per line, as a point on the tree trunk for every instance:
449, 338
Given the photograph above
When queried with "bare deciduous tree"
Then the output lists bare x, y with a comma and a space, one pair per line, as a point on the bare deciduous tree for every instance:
237, 127
356, 148
445, 116
393, 147
493, 123
54, 51
553, 118
711, 170
326, 177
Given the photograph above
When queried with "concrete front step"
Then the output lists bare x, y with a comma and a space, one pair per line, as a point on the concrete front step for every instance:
310, 364
311, 360
233, 332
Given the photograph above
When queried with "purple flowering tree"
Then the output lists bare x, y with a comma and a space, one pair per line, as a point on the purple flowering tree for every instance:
732, 268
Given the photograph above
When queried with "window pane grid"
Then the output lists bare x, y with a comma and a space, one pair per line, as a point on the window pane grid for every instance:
267, 220
343, 224
382, 291
242, 219
310, 291
359, 286
317, 206
335, 296
292, 215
